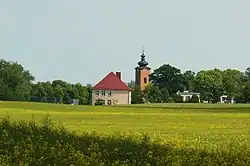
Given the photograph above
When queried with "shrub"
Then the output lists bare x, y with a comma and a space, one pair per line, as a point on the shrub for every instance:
170, 100
178, 99
194, 99
99, 102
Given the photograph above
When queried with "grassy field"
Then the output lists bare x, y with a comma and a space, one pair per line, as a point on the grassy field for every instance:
184, 123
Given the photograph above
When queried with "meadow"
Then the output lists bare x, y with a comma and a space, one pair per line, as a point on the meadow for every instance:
219, 130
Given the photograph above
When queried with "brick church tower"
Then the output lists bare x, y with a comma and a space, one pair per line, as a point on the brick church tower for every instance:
142, 72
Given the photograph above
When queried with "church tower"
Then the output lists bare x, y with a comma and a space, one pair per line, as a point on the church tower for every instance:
142, 72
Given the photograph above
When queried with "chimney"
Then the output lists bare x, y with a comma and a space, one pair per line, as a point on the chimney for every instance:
118, 74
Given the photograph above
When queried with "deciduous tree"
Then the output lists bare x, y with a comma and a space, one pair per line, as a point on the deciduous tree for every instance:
189, 77
231, 82
152, 94
168, 77
210, 84
15, 81
136, 95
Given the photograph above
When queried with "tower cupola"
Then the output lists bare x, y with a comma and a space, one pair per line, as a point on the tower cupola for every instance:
143, 62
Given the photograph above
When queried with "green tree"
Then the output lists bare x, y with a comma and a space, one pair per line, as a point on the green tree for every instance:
15, 81
189, 77
48, 89
38, 90
65, 85
58, 93
231, 82
89, 89
164, 95
178, 98
69, 93
247, 72
136, 95
168, 77
246, 93
83, 93
210, 84
245, 87
152, 94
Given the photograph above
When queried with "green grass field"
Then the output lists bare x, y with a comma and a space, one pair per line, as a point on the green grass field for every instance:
208, 124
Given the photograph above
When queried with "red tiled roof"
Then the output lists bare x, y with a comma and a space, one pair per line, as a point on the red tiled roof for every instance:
111, 82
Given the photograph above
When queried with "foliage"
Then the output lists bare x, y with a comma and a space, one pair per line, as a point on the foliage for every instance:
136, 95
189, 77
152, 93
247, 72
194, 99
164, 94
210, 84
89, 98
83, 93
15, 82
231, 82
99, 102
178, 98
61, 91
29, 143
246, 92
168, 77
16, 85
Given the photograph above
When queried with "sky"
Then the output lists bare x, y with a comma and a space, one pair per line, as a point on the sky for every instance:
82, 41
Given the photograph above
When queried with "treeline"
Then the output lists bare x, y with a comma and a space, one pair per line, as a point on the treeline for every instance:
167, 80
16, 84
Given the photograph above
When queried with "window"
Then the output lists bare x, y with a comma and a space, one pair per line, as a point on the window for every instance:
103, 93
145, 80
109, 93
97, 93
109, 102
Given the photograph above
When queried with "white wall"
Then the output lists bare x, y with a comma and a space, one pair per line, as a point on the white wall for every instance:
120, 97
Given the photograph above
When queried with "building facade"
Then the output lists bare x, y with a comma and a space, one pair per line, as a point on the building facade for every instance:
111, 90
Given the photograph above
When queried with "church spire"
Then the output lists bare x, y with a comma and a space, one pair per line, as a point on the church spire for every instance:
143, 62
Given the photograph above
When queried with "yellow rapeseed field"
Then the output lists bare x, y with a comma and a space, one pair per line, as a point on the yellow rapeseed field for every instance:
214, 133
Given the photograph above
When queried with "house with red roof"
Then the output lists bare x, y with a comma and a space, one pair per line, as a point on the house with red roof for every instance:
111, 90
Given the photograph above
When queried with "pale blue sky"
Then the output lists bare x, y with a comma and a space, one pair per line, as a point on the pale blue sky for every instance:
81, 41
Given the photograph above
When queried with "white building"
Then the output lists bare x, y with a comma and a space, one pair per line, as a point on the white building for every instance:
226, 99
186, 95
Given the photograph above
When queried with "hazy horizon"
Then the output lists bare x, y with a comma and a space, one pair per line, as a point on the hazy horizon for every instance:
82, 41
